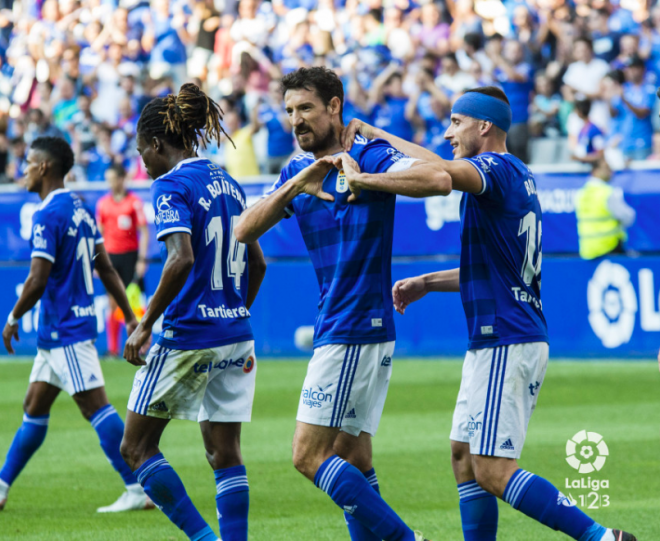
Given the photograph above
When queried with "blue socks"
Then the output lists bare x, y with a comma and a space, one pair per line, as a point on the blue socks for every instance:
357, 531
163, 486
110, 430
233, 503
539, 499
351, 491
27, 440
478, 512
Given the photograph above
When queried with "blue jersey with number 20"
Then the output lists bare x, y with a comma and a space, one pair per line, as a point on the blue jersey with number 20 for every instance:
500, 276
198, 198
65, 233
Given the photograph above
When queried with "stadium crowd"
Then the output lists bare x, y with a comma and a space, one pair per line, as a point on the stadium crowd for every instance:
581, 73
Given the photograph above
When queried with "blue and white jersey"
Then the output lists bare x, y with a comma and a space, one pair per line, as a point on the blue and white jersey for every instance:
500, 277
198, 198
65, 233
350, 246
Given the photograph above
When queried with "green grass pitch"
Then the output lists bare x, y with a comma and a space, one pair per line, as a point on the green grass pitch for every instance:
55, 498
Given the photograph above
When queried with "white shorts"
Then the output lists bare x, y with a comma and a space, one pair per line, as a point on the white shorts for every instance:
215, 384
346, 387
499, 389
73, 368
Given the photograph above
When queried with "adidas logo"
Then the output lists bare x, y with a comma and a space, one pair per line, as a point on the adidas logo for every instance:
93, 378
160, 406
350, 414
350, 509
508, 445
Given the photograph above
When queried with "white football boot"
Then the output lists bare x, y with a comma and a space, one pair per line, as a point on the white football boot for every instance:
133, 499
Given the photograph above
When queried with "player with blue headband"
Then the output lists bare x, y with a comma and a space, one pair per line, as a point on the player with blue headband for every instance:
499, 279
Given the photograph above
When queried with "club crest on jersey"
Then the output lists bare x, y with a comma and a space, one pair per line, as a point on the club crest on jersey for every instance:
38, 240
165, 212
342, 184
249, 365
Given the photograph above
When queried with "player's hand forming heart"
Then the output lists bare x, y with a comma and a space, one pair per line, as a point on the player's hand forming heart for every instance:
352, 172
310, 179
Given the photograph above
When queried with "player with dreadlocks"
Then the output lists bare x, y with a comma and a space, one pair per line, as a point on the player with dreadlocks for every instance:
202, 366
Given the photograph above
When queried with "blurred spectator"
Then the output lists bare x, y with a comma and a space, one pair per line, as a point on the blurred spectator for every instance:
590, 144
17, 161
271, 114
240, 159
605, 41
387, 101
602, 214
81, 127
39, 126
515, 77
583, 79
544, 120
453, 79
632, 103
67, 105
432, 34
100, 157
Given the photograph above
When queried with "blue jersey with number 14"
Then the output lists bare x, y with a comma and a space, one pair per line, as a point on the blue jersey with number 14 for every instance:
500, 276
200, 199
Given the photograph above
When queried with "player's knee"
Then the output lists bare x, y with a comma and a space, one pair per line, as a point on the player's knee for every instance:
132, 453
304, 460
220, 459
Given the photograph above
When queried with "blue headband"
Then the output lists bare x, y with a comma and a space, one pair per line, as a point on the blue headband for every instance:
483, 107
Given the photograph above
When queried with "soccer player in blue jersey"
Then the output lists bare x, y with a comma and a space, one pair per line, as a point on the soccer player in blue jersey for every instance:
350, 245
66, 248
499, 280
203, 366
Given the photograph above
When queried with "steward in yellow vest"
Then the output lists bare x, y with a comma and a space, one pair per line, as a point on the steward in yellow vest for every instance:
602, 214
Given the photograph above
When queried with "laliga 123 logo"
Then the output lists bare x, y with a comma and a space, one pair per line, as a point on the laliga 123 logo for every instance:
586, 452
612, 304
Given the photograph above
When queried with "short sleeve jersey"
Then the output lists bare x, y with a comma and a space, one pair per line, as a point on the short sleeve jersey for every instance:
200, 199
350, 246
65, 233
500, 276
589, 140
120, 222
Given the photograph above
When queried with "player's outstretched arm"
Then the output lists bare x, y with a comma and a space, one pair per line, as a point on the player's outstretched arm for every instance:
410, 290
369, 132
180, 261
33, 289
266, 213
464, 176
421, 179
114, 286
256, 271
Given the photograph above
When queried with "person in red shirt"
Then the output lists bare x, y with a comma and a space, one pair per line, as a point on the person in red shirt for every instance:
120, 216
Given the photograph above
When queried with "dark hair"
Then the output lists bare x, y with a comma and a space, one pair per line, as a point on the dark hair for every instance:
323, 81
58, 151
184, 119
603, 12
492, 91
583, 106
451, 56
586, 40
474, 40
376, 14
118, 169
38, 111
617, 76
